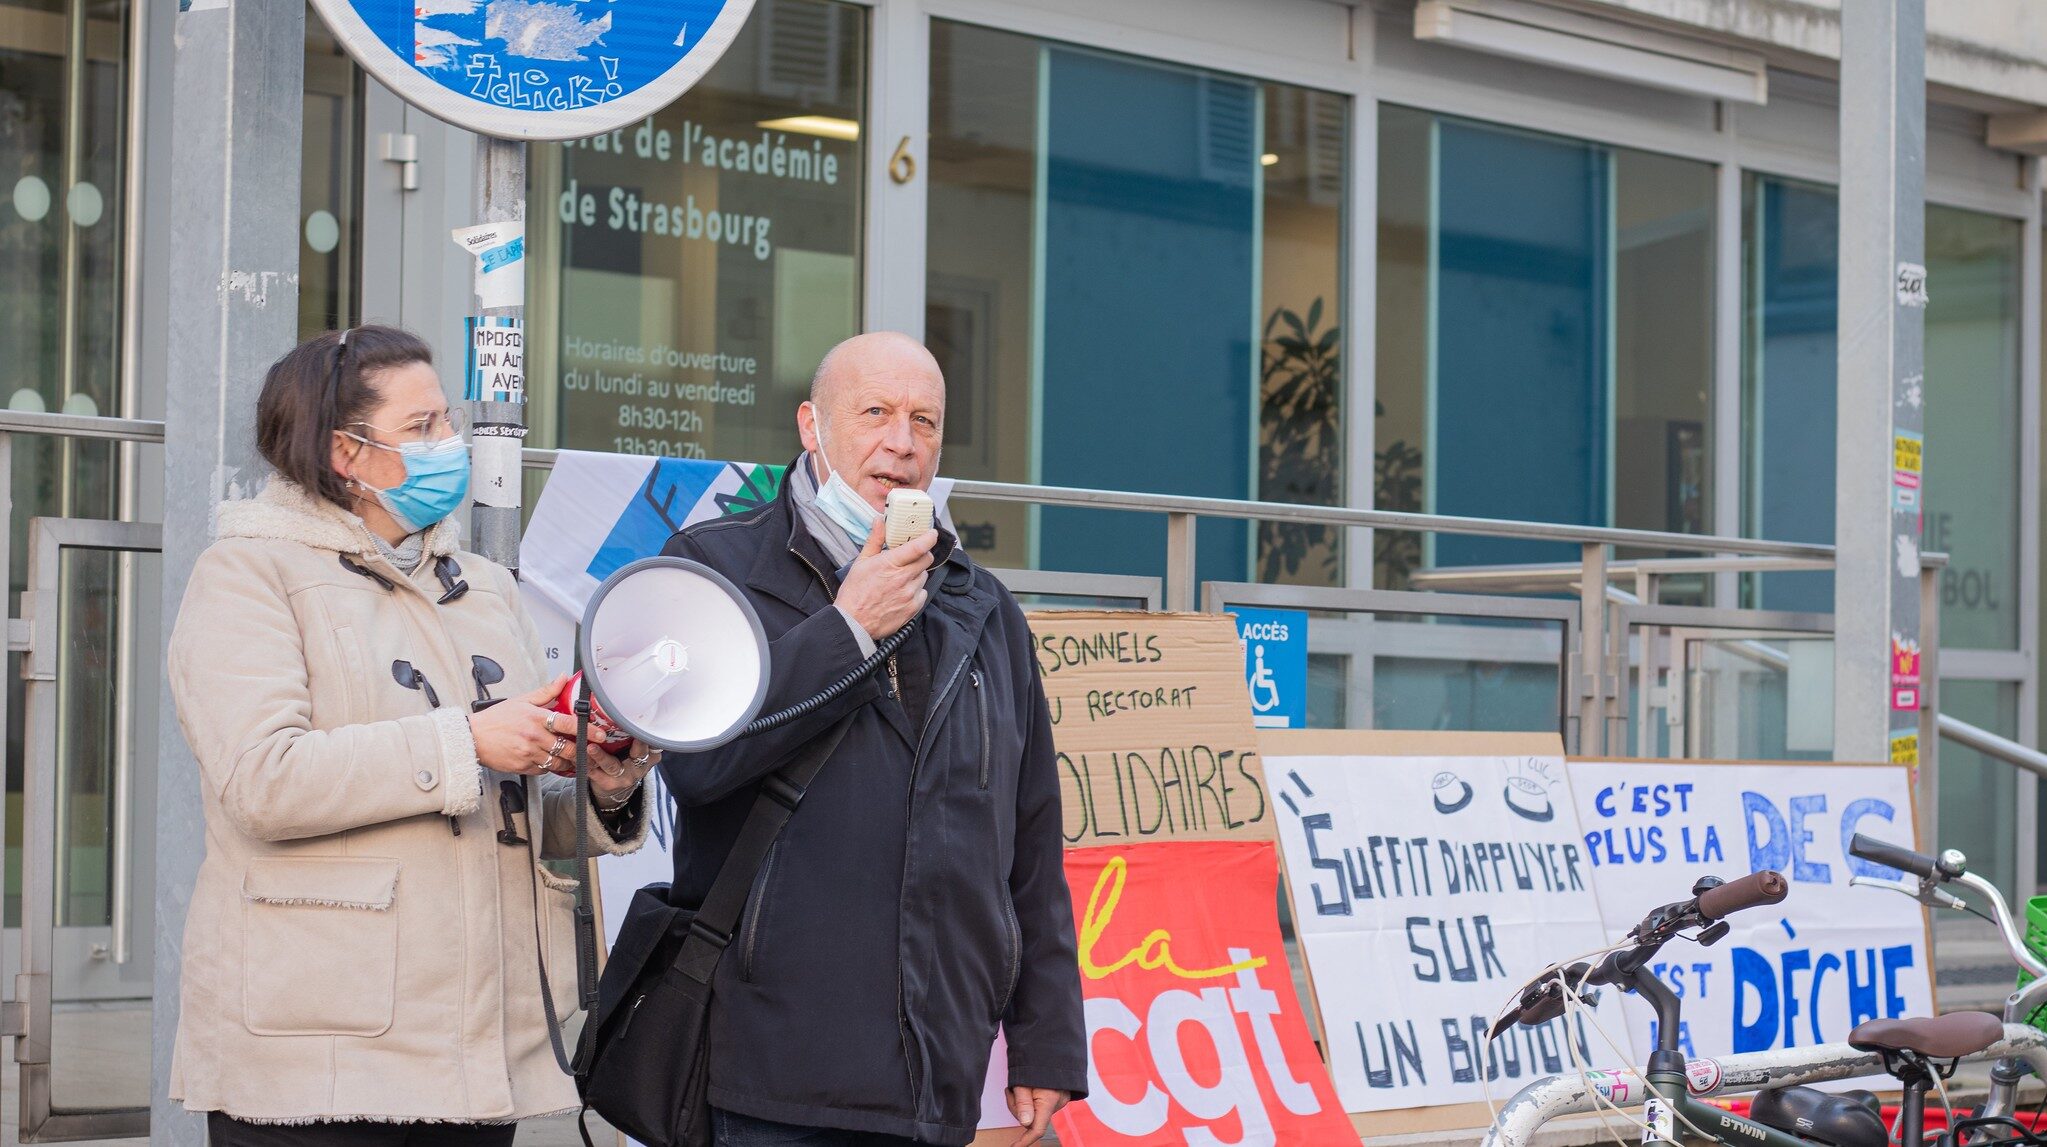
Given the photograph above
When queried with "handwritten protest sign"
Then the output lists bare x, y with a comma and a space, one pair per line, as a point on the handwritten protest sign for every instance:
1800, 973
1426, 890
1152, 727
1194, 1032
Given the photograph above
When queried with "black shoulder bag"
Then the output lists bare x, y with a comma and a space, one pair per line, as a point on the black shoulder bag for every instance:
643, 1061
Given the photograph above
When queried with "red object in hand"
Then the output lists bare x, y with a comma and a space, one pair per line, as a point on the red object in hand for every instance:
615, 740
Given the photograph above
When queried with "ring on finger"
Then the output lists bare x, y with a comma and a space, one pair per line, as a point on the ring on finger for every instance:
548, 721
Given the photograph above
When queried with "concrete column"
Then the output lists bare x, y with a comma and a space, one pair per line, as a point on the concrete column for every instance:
1881, 382
236, 131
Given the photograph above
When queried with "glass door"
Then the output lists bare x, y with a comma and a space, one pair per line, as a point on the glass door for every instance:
64, 71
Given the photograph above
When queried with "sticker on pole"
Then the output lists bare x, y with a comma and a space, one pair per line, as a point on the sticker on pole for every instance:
1904, 672
500, 251
495, 457
1908, 466
1905, 746
496, 367
1911, 285
536, 69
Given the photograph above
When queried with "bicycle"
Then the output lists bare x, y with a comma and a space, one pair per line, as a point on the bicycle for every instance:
1999, 1110
1920, 1053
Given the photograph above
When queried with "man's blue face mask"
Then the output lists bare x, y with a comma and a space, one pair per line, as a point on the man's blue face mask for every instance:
841, 503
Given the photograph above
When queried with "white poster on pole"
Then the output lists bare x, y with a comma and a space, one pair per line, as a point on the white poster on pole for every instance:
1792, 975
1425, 891
500, 253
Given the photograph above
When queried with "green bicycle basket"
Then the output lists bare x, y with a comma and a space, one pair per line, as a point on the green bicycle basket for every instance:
2036, 943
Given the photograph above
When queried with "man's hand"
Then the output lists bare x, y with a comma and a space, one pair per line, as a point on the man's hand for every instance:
885, 588
1034, 1108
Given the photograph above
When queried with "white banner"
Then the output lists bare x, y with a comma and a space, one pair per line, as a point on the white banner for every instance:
1425, 890
1797, 974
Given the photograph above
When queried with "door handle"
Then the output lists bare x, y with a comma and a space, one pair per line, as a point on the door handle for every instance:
402, 148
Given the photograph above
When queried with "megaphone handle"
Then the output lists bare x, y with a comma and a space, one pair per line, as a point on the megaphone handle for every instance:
586, 915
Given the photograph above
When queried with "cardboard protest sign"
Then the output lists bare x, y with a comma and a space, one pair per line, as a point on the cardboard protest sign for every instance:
1426, 890
1152, 727
1194, 1032
1796, 974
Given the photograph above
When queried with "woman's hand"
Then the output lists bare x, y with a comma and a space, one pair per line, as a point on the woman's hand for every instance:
613, 779
518, 734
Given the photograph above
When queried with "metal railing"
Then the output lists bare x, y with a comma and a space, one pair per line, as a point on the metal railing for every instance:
1593, 692
1182, 512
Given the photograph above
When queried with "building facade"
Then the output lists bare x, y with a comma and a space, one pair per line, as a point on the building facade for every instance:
1570, 262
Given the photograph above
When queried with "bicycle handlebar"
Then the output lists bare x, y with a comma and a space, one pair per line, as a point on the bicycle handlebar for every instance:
1542, 999
1752, 891
1896, 856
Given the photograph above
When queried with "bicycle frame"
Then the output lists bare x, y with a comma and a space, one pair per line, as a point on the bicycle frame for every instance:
1723, 1125
1575, 1093
1668, 1081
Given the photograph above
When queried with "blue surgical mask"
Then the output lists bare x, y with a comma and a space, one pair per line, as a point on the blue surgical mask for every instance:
436, 480
845, 507
840, 502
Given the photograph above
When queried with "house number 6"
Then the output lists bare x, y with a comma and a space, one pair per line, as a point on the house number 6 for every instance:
902, 166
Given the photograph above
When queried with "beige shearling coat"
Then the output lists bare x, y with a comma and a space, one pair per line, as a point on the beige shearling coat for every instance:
347, 953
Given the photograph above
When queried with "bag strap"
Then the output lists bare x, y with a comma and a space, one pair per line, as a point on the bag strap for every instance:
554, 1024
712, 927
711, 930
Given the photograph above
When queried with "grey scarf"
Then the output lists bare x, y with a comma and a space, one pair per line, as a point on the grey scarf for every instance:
838, 544
406, 555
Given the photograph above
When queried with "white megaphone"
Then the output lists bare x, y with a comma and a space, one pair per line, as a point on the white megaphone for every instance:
673, 654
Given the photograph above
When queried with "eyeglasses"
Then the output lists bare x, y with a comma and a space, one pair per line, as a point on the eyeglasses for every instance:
428, 430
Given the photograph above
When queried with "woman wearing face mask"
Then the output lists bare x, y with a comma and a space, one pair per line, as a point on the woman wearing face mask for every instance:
372, 951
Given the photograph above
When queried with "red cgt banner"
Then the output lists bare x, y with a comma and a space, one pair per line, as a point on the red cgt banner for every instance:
1195, 1033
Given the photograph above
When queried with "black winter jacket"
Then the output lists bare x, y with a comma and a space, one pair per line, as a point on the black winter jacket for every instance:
917, 896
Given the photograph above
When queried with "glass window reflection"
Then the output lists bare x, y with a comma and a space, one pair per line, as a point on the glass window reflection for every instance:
693, 268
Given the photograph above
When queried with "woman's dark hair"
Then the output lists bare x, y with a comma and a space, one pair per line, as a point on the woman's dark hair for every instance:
320, 386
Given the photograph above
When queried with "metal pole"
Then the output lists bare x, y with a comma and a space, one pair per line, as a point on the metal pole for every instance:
1881, 381
135, 115
1180, 562
238, 80
498, 431
68, 359
1592, 652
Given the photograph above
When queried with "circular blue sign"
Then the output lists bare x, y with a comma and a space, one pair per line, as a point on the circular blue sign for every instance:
536, 69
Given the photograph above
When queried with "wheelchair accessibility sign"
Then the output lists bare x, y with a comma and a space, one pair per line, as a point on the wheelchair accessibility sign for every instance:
1275, 645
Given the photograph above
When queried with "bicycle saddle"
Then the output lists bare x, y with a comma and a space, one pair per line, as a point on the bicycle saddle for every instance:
1939, 1037
1850, 1119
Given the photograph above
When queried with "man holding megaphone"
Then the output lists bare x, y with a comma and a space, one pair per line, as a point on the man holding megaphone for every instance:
916, 898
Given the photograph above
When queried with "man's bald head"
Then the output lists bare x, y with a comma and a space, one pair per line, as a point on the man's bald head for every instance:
876, 414
876, 353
